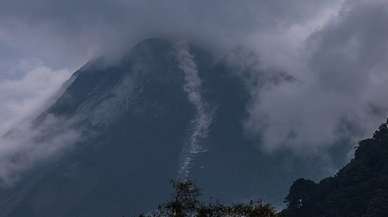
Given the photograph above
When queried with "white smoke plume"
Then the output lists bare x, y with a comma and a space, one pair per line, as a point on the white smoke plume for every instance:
200, 125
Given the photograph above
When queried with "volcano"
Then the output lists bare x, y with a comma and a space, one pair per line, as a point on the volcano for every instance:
164, 110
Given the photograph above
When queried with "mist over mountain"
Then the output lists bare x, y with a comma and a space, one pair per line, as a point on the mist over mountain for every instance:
335, 51
168, 109
104, 101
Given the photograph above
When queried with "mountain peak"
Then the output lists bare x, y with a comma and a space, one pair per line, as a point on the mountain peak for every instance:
166, 109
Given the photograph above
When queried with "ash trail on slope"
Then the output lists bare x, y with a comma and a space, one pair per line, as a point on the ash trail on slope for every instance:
203, 119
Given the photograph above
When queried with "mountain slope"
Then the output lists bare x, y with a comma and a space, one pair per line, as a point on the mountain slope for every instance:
164, 110
133, 142
360, 189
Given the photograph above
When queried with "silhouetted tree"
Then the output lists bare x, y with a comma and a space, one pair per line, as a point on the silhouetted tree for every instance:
185, 202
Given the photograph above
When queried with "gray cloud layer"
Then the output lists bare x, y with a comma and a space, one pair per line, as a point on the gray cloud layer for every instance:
338, 57
341, 90
77, 29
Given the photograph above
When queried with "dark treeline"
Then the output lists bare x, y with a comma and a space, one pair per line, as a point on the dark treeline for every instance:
185, 202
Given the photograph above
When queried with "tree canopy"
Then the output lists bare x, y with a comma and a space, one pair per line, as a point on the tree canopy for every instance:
185, 202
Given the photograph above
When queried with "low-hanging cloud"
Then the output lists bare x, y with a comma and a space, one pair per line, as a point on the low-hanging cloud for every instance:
23, 96
75, 30
339, 91
334, 50
23, 143
28, 144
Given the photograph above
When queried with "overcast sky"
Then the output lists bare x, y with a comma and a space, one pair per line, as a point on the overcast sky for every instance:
336, 50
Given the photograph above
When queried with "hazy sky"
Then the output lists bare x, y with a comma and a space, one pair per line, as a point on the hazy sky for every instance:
335, 49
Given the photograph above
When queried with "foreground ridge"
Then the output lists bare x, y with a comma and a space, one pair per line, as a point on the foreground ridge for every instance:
359, 189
